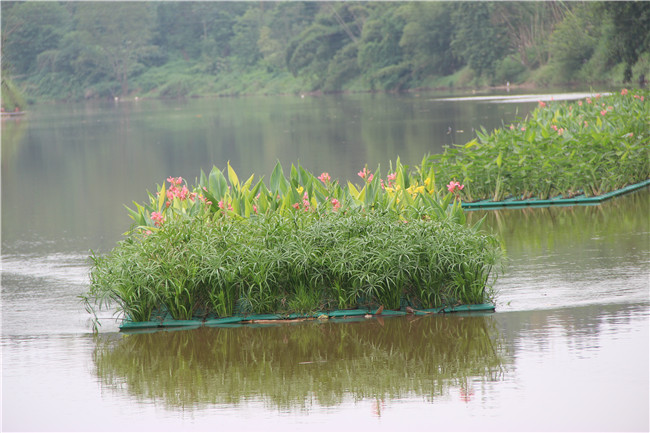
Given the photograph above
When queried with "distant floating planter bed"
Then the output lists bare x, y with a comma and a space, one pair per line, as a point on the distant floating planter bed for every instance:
168, 322
581, 199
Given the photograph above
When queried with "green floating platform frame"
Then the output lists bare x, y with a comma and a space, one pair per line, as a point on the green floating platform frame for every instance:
581, 199
168, 322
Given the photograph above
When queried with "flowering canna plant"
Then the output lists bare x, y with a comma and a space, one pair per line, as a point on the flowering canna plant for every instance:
405, 193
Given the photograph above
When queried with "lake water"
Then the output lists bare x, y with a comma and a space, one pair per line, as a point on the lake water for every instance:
567, 348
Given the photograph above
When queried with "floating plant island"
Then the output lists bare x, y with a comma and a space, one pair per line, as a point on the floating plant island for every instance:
302, 247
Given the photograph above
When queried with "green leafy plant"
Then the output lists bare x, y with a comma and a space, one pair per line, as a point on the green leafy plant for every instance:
294, 262
590, 147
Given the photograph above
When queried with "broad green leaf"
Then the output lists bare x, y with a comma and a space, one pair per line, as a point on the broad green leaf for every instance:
232, 177
162, 195
248, 183
353, 190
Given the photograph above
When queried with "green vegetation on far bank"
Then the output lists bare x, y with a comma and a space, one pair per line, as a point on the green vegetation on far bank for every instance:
77, 50
12, 98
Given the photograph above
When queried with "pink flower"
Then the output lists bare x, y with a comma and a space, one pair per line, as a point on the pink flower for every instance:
512, 127
336, 204
175, 181
148, 232
255, 208
523, 128
588, 100
630, 134
296, 205
624, 92
157, 218
391, 179
221, 204
542, 104
453, 185
586, 124
183, 193
554, 127
560, 131
580, 103
603, 112
610, 108
325, 178
365, 174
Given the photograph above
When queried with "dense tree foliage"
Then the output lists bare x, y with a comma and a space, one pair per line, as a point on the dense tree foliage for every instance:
72, 50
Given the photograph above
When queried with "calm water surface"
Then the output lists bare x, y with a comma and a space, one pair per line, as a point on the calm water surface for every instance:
567, 349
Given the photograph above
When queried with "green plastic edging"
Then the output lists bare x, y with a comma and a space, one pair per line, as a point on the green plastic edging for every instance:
336, 315
348, 313
457, 309
223, 321
557, 201
127, 324
172, 322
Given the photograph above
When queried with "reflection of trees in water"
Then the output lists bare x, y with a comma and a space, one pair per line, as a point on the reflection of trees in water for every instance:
294, 365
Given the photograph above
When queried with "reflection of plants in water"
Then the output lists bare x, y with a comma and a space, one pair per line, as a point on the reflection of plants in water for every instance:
13, 131
537, 229
294, 365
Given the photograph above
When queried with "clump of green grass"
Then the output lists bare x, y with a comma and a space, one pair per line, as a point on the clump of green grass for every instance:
591, 146
301, 262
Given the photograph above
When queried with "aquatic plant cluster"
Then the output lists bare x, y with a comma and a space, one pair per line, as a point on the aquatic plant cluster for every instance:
303, 244
591, 146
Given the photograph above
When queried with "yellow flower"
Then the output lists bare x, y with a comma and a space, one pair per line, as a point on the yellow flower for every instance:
300, 189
